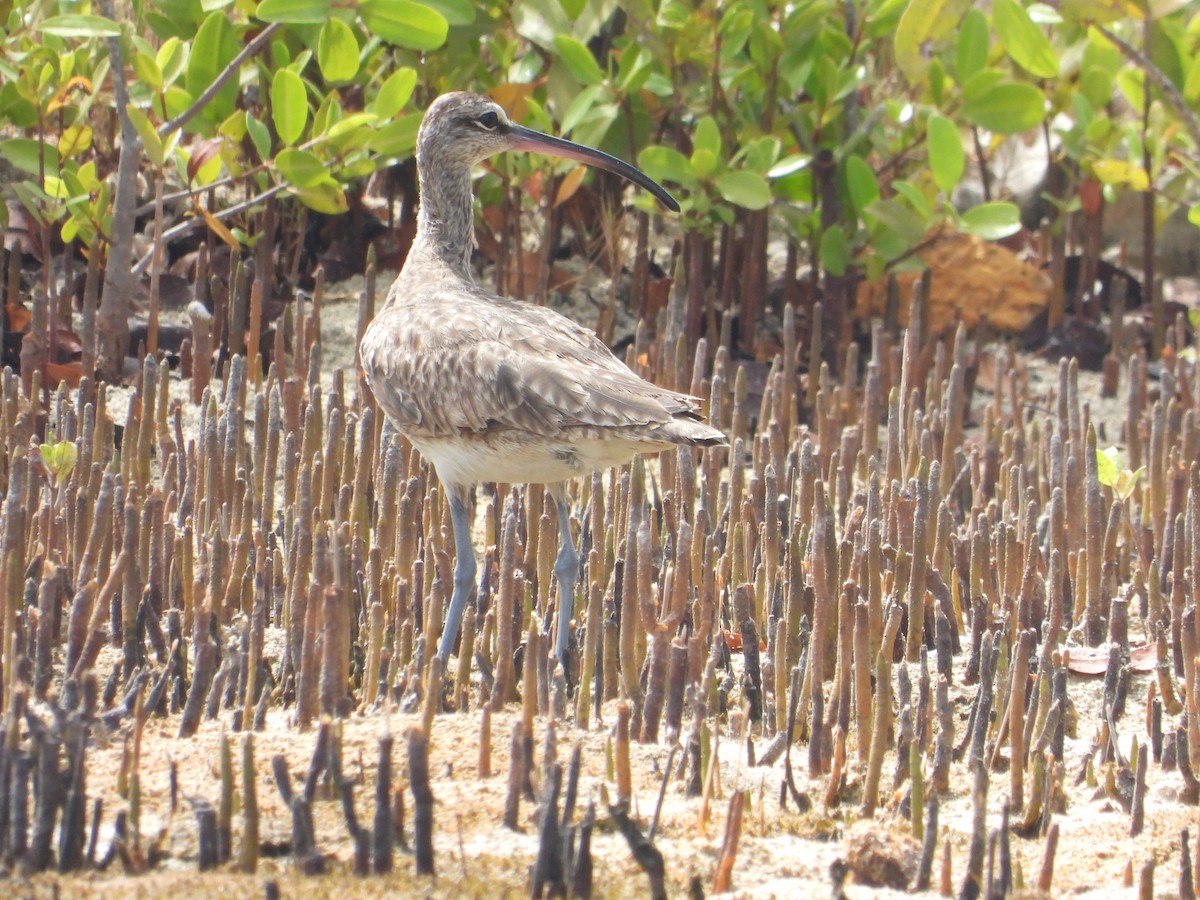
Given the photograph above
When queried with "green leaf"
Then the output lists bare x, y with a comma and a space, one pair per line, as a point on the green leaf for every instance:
163, 26
748, 190
1191, 85
59, 458
294, 12
234, 127
1100, 11
147, 70
593, 129
405, 23
1096, 84
946, 157
1108, 465
704, 162
581, 107
152, 144
835, 251
937, 80
915, 196
1023, 41
395, 92
16, 109
209, 170
70, 230
176, 101
326, 197
80, 26
360, 166
351, 123
337, 51
170, 59
1194, 214
795, 188
75, 189
213, 49
1120, 171
36, 201
906, 227
57, 188
85, 175
28, 155
578, 59
673, 14
572, 8
979, 85
1043, 14
789, 165
302, 168
328, 114
260, 136
289, 105
1008, 108
707, 136
1127, 481
972, 51
634, 67
860, 184
397, 139
761, 155
922, 26
455, 12
1132, 84
992, 221
666, 164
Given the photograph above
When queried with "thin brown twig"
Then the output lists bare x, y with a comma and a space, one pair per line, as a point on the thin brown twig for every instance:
257, 43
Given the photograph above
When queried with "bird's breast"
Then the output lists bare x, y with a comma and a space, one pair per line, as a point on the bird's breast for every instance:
516, 458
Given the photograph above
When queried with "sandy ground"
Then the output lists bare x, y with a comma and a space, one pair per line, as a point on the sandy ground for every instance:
781, 853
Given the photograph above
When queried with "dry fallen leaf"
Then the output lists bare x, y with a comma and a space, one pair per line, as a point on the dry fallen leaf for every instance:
1094, 660
18, 317
71, 373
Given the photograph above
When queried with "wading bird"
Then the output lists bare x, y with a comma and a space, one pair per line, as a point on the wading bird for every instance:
491, 389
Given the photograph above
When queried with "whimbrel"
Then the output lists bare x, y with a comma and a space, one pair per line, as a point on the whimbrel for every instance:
489, 389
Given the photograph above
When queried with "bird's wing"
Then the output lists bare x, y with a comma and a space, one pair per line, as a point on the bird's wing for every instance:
477, 363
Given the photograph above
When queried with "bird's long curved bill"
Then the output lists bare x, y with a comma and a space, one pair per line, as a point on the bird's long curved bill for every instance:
528, 139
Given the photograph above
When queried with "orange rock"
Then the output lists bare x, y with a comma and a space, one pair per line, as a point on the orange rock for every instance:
971, 278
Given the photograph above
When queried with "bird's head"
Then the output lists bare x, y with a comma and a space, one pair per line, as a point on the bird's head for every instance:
464, 129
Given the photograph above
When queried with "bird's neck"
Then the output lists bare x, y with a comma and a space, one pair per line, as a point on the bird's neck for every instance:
445, 226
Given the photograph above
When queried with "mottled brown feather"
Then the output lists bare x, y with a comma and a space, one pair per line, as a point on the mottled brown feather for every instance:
453, 364
505, 365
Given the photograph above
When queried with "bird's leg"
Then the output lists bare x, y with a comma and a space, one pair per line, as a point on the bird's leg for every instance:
464, 571
566, 570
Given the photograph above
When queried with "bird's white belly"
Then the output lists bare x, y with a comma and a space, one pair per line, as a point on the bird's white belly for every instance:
519, 460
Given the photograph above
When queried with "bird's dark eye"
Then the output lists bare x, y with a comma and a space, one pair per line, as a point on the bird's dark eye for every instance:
489, 120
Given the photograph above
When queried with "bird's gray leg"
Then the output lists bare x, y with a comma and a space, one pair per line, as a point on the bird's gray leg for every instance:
464, 571
566, 570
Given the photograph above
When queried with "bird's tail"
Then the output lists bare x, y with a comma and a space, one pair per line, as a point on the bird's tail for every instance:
693, 433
